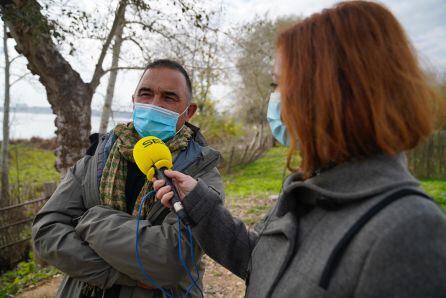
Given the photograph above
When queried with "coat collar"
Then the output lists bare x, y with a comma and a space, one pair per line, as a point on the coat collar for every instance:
349, 182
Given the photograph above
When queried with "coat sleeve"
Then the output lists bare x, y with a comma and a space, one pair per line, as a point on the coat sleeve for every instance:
112, 235
221, 236
56, 242
407, 261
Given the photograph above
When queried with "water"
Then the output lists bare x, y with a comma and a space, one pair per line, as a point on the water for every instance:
25, 125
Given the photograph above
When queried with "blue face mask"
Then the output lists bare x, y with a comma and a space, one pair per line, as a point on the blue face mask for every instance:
278, 129
151, 120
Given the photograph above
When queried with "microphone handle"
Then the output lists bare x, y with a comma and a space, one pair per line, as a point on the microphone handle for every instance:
176, 202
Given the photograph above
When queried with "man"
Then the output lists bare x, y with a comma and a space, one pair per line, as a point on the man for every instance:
88, 227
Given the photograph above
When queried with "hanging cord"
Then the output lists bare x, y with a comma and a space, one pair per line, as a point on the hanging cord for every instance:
192, 253
138, 259
183, 262
180, 255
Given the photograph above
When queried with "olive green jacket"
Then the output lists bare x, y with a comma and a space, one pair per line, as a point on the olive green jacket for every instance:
96, 244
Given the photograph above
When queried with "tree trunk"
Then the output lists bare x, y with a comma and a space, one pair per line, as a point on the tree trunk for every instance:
69, 96
107, 109
5, 143
73, 123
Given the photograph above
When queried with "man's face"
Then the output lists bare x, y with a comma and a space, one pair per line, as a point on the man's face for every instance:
166, 88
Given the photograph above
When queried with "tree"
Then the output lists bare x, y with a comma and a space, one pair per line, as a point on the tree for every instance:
190, 42
4, 157
68, 94
116, 52
198, 49
5, 142
443, 103
255, 42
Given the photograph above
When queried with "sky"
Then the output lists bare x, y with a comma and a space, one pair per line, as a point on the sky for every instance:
424, 22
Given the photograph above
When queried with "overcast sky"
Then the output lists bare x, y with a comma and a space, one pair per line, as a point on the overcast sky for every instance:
424, 21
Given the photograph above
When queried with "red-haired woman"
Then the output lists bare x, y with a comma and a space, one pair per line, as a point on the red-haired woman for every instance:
352, 222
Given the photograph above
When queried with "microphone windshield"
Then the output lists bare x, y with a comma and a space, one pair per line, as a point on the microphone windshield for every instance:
150, 153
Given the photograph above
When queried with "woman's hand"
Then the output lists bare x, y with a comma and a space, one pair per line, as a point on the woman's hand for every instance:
184, 184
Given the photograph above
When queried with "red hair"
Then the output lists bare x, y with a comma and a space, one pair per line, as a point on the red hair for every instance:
351, 86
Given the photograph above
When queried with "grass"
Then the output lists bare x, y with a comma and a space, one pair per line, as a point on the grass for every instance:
264, 178
437, 190
30, 165
260, 178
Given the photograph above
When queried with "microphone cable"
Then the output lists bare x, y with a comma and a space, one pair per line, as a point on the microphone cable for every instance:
193, 260
138, 259
183, 262
180, 254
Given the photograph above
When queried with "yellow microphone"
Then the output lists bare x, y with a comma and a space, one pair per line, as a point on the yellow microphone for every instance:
153, 157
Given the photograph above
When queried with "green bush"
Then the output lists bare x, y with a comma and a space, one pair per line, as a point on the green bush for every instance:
26, 273
218, 129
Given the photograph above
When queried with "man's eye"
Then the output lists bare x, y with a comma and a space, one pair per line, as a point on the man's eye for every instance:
170, 98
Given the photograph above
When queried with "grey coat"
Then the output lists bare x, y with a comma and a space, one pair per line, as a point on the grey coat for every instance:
400, 252
96, 244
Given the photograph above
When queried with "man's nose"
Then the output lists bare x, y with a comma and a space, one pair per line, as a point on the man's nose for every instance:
157, 100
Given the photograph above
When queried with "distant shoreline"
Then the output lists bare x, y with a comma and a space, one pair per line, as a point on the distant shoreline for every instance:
24, 109
28, 123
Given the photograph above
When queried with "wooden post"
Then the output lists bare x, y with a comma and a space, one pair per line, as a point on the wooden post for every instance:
48, 189
229, 165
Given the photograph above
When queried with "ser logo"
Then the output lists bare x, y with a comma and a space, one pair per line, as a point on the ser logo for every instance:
151, 142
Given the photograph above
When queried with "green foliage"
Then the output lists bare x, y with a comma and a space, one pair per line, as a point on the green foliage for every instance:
218, 129
26, 273
30, 165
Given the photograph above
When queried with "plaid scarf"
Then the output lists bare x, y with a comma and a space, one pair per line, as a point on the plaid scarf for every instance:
112, 184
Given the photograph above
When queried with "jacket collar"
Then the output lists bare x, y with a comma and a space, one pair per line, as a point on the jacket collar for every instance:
206, 158
198, 137
349, 182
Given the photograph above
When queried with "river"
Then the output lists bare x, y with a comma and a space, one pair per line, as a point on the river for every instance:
24, 125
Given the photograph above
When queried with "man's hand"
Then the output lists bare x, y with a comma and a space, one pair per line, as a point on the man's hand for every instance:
184, 184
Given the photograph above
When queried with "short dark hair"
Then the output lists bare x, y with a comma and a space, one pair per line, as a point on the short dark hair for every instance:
167, 63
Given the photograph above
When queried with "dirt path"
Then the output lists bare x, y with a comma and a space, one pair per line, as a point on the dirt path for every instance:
46, 289
218, 282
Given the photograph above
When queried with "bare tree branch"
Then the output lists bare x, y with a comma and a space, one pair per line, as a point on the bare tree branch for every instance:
99, 71
15, 58
124, 68
141, 48
19, 78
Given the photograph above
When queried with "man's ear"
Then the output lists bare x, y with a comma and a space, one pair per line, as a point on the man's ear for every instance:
191, 111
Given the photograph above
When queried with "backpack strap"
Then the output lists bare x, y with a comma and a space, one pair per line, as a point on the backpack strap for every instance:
340, 248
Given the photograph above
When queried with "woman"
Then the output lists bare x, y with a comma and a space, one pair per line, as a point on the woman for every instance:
353, 222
